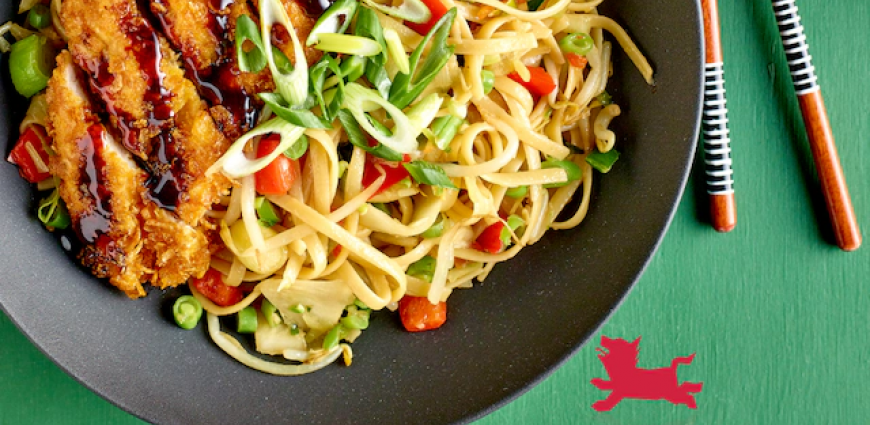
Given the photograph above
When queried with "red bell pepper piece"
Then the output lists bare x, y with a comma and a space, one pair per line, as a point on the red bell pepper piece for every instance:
490, 239
438, 10
279, 175
540, 82
212, 286
418, 314
21, 156
394, 173
577, 61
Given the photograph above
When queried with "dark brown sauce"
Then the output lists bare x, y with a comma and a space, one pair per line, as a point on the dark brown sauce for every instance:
315, 8
168, 179
217, 82
97, 221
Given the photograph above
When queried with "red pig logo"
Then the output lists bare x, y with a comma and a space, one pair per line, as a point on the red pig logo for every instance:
619, 358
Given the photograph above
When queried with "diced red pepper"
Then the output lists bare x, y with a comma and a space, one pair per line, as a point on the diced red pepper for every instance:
279, 175
212, 286
21, 156
438, 10
540, 82
490, 239
577, 61
418, 314
394, 173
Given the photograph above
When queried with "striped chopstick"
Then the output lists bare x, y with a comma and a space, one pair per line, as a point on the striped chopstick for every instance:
818, 128
714, 123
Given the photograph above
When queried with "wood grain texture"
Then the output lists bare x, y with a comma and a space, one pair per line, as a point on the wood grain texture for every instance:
723, 212
712, 38
833, 182
776, 316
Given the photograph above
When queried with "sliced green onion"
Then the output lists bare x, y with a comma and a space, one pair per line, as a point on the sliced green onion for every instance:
396, 50
381, 206
336, 19
297, 149
445, 129
423, 268
270, 312
407, 86
294, 115
427, 173
246, 320
605, 98
348, 44
327, 69
266, 212
534, 4
293, 86
30, 64
294, 329
411, 10
360, 305
52, 211
298, 308
186, 311
359, 139
368, 25
517, 192
255, 59
514, 223
571, 169
488, 79
436, 229
602, 161
356, 318
403, 139
353, 67
577, 42
236, 164
39, 16
332, 337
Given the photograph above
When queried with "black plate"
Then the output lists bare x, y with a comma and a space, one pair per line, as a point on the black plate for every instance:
501, 337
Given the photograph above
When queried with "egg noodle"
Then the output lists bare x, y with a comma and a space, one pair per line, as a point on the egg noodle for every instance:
342, 244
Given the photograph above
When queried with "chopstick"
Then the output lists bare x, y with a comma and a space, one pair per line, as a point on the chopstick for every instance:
821, 139
714, 123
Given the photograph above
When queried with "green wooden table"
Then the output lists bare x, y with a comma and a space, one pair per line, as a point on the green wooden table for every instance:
776, 314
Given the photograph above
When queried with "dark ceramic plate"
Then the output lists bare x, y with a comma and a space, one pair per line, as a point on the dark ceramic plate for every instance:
502, 337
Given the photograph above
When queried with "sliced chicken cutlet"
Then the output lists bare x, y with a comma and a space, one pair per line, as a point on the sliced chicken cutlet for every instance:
203, 32
138, 77
99, 182
163, 122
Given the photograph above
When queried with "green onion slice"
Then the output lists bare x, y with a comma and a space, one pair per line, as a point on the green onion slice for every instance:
410, 10
602, 162
396, 50
293, 86
255, 59
427, 173
423, 268
39, 16
488, 79
348, 44
571, 169
236, 164
517, 192
407, 86
30, 64
445, 129
270, 312
353, 67
368, 25
357, 138
266, 212
436, 229
335, 20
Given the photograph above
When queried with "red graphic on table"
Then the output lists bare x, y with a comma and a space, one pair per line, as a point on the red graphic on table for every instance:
619, 358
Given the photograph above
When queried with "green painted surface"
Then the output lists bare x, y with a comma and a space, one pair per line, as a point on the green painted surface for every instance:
776, 315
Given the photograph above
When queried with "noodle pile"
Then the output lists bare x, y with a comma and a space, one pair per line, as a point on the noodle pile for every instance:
331, 230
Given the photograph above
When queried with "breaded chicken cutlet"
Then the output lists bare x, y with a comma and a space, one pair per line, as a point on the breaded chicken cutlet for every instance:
135, 131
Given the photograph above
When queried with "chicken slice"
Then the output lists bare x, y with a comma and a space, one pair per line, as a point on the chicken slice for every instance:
99, 182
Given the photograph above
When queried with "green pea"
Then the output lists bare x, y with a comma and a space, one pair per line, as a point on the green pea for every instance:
517, 192
187, 311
